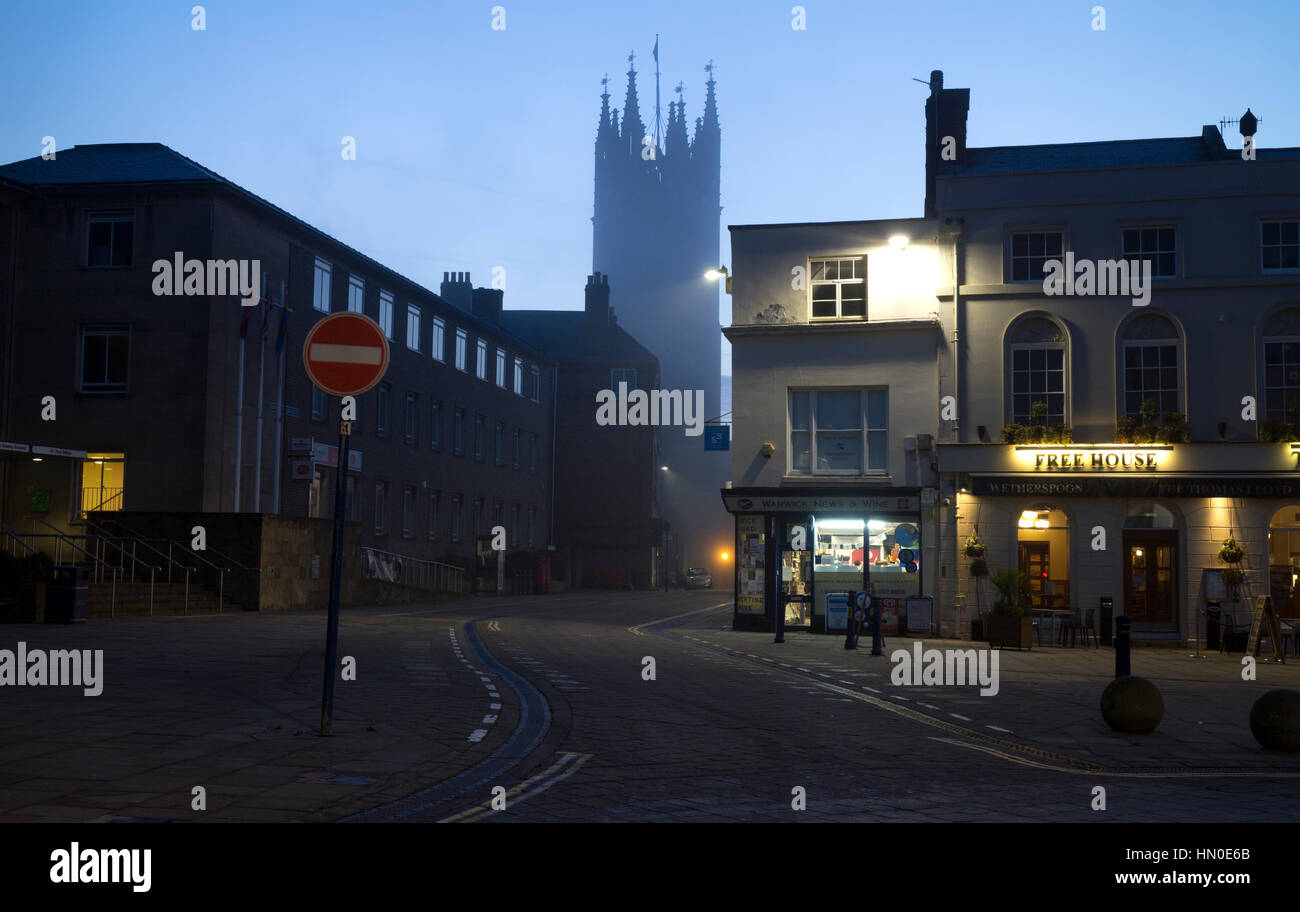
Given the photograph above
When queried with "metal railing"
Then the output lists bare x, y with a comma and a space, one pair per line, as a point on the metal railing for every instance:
97, 564
99, 498
411, 571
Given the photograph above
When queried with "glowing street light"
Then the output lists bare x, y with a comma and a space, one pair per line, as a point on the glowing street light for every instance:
720, 273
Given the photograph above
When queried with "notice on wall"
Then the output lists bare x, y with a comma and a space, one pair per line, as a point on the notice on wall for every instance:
750, 579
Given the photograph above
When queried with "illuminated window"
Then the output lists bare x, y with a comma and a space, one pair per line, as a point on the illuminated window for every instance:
103, 479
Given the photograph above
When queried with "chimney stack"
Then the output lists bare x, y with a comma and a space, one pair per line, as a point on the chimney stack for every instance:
487, 304
945, 116
597, 308
457, 291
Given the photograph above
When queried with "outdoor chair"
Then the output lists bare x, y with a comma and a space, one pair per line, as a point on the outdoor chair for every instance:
1089, 628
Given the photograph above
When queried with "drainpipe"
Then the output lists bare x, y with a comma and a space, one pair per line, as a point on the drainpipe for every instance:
954, 228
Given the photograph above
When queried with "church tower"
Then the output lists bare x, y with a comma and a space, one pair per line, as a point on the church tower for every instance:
655, 233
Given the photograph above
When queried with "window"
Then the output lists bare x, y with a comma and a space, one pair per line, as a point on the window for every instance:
1282, 365
408, 511
462, 341
356, 294
1149, 346
320, 292
1036, 349
532, 454
478, 516
1280, 246
619, 375
831, 429
838, 288
1154, 244
519, 377
456, 518
386, 313
381, 508
481, 370
514, 525
1030, 251
439, 332
317, 403
497, 508
515, 447
381, 410
103, 480
109, 240
412, 327
534, 384
480, 428
411, 426
435, 426
498, 444
435, 521
501, 368
532, 527
458, 432
104, 351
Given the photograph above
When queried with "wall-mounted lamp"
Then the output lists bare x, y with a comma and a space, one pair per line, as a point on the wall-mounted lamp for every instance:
663, 468
767, 449
899, 241
720, 273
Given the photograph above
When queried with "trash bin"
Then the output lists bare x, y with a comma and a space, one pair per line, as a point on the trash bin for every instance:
1107, 609
65, 595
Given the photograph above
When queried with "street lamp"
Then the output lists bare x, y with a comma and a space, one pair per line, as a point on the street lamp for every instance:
720, 273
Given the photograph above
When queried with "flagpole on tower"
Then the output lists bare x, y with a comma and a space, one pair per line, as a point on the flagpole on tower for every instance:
658, 118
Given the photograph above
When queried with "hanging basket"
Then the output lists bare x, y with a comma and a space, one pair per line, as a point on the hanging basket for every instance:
1231, 552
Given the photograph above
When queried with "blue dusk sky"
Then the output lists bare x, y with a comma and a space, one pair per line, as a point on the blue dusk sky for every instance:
474, 145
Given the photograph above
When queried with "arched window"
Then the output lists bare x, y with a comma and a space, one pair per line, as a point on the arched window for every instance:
1281, 363
1149, 516
1036, 369
1151, 365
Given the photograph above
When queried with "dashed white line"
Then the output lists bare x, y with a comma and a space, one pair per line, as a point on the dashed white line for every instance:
478, 734
996, 729
957, 716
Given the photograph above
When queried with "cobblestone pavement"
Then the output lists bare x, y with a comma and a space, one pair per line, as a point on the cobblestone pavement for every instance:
546, 700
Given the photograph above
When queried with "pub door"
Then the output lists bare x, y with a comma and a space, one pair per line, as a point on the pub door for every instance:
1151, 577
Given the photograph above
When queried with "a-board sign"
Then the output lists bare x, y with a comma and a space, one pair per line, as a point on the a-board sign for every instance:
1264, 615
920, 612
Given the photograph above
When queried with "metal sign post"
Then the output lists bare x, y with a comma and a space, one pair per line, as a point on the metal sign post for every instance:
336, 581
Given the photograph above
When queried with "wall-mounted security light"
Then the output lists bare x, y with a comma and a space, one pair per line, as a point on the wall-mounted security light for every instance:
720, 273
899, 241
768, 448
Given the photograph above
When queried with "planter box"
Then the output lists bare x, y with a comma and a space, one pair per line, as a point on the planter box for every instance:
1011, 632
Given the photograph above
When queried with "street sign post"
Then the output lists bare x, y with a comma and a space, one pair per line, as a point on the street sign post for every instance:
345, 354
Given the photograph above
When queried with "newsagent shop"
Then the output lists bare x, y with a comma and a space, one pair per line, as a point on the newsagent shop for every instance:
1108, 529
805, 555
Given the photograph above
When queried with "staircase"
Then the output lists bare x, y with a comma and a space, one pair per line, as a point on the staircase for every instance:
169, 600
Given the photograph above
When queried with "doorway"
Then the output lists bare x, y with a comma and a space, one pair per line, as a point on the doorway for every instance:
1150, 576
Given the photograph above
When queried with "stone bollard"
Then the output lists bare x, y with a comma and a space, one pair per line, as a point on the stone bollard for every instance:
1275, 720
1132, 705
1123, 647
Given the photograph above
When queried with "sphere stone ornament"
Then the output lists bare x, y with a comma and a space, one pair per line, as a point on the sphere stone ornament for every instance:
1132, 705
1275, 720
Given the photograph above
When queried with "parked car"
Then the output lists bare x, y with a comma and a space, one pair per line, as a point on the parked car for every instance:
699, 578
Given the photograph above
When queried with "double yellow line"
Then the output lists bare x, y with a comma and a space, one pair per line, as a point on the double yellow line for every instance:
568, 764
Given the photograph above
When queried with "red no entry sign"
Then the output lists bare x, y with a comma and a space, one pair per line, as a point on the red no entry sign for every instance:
345, 354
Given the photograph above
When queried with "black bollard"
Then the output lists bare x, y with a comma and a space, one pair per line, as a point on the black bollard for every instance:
877, 641
780, 623
852, 622
1123, 647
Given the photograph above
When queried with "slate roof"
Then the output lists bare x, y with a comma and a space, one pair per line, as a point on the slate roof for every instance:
109, 163
565, 336
1123, 153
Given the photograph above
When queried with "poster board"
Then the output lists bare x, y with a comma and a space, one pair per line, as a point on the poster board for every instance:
751, 581
1213, 585
920, 614
1262, 616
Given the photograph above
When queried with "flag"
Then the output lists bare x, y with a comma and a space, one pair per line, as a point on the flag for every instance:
279, 336
656, 52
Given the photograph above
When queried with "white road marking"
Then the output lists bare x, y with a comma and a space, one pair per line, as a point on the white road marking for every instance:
996, 729
477, 734
494, 706
956, 716
488, 720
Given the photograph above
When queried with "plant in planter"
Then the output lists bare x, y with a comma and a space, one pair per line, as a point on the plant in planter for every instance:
1010, 624
1233, 576
1231, 552
975, 548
